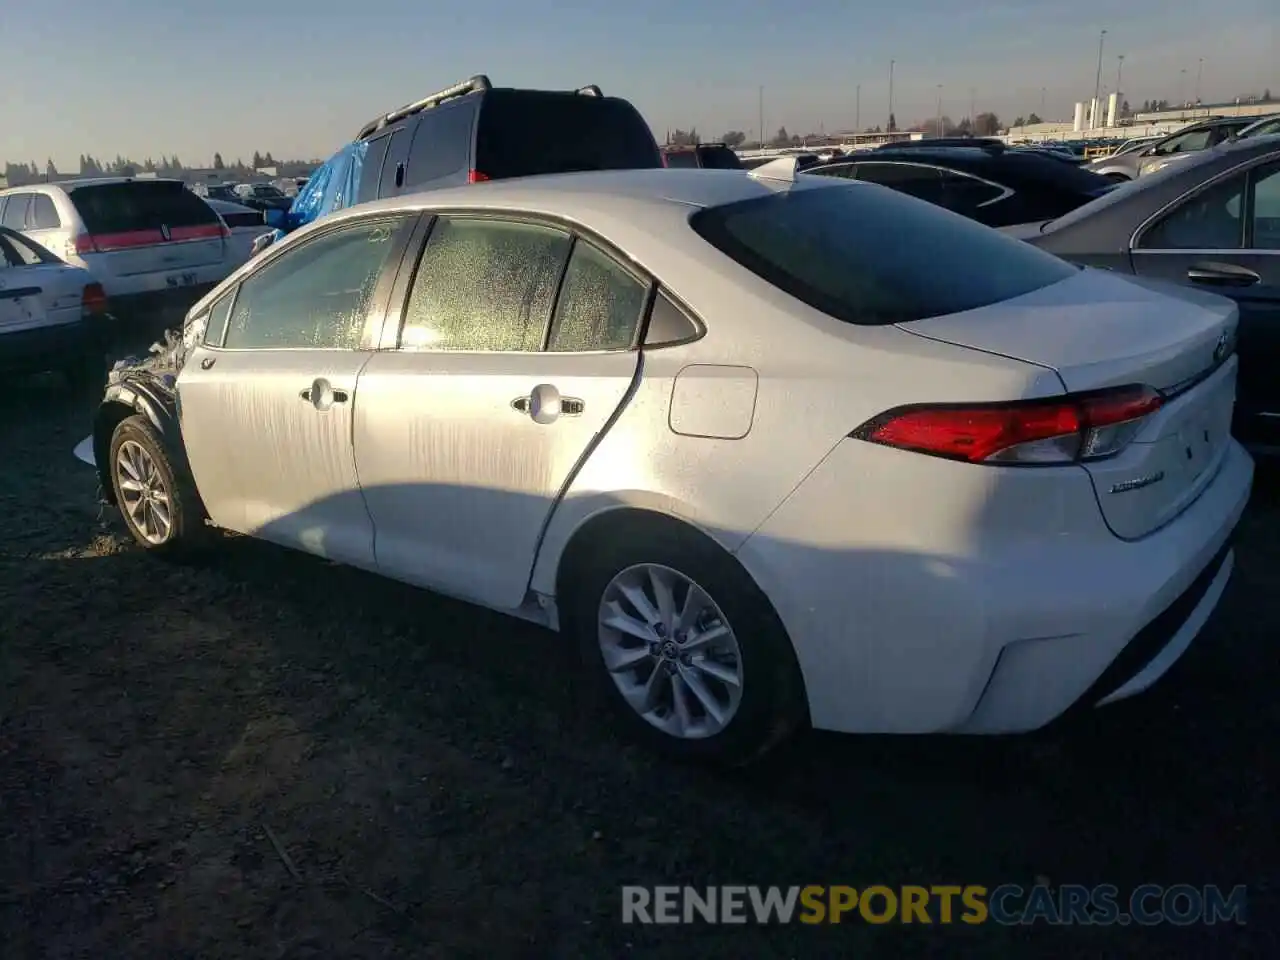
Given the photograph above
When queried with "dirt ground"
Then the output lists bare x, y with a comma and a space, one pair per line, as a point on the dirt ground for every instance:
437, 788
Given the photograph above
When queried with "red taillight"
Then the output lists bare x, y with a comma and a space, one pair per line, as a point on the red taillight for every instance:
1080, 426
475, 176
84, 244
93, 300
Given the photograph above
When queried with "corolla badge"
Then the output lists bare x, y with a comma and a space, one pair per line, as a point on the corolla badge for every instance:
1124, 486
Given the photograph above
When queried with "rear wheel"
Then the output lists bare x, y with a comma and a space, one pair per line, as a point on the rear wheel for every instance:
159, 504
687, 651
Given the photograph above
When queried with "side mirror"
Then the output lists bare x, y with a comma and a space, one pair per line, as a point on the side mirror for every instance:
276, 219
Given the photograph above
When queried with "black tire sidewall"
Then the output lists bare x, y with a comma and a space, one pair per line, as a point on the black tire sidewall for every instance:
139, 430
772, 691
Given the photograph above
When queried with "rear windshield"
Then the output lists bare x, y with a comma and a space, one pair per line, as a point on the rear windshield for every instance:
121, 207
871, 256
719, 158
525, 132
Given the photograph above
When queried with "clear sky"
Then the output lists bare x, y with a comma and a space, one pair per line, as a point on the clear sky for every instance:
146, 77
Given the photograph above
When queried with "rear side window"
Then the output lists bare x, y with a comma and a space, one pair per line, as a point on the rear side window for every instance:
43, 215
719, 158
871, 257
121, 207
685, 159
526, 132
600, 304
484, 285
441, 145
914, 179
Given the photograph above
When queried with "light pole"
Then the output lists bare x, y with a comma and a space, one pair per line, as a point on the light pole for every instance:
890, 125
939, 127
973, 100
857, 111
1097, 83
761, 142
1199, 74
1182, 88
1119, 75
1042, 93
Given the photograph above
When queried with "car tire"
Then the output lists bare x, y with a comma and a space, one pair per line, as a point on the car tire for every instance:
771, 703
138, 457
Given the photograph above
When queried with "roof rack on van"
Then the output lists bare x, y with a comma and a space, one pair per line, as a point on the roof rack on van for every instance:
590, 90
476, 84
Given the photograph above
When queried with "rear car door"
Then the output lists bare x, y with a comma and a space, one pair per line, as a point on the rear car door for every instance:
40, 289
267, 394
14, 212
469, 431
1225, 238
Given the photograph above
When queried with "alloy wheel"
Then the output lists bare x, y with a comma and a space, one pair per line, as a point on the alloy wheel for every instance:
143, 494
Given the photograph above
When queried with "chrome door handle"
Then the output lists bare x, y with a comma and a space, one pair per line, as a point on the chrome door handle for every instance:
569, 406
520, 404
545, 405
322, 395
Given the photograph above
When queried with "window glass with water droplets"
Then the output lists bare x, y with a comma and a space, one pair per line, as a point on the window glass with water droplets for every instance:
316, 296
599, 306
484, 285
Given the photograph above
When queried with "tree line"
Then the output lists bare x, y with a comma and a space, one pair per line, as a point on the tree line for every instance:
20, 174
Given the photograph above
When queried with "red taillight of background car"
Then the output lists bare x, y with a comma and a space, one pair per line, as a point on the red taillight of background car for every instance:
93, 300
475, 176
1067, 429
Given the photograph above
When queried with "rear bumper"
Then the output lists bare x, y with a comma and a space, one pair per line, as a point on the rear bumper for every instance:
50, 347
926, 597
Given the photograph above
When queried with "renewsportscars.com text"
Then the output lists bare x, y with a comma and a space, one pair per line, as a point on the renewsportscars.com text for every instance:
1008, 904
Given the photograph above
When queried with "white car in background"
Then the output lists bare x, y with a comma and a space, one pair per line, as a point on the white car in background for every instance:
154, 245
770, 448
52, 315
245, 226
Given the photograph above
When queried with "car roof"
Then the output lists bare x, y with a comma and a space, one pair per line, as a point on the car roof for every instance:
88, 182
226, 206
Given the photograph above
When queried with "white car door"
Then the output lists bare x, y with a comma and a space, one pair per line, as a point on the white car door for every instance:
466, 435
267, 394
40, 289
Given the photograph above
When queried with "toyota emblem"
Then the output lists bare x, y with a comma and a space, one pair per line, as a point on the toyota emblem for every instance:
1223, 347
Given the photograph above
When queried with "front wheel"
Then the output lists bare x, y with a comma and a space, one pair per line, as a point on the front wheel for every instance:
159, 505
685, 647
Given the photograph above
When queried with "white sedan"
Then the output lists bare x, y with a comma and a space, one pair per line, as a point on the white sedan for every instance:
773, 449
53, 316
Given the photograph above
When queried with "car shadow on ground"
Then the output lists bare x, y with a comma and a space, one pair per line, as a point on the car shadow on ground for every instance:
440, 783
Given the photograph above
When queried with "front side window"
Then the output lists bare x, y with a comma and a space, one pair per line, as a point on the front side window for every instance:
1266, 208
21, 252
1186, 143
600, 304
1208, 220
870, 257
317, 295
15, 212
484, 285
216, 326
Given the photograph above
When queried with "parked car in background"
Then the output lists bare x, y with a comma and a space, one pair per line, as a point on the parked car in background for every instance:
985, 181
260, 196
53, 316
153, 244
1213, 224
707, 156
245, 225
1148, 159
474, 132
1264, 127
543, 396
215, 191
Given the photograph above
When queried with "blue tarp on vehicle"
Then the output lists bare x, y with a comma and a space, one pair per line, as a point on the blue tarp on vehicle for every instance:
333, 186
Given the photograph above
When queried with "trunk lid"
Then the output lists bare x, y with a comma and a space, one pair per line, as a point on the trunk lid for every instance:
140, 227
1099, 329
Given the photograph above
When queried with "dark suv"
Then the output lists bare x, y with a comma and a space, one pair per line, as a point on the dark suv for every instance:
706, 156
986, 182
474, 131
